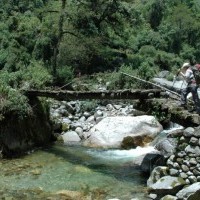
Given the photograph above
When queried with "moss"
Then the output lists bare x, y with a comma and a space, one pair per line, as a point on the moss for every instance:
65, 127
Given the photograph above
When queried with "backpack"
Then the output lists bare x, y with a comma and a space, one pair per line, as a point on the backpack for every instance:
196, 72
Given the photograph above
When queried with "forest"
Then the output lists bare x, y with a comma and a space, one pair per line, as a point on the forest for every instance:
48, 43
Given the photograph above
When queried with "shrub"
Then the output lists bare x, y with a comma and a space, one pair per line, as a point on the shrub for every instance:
12, 101
148, 51
36, 75
64, 75
122, 81
146, 70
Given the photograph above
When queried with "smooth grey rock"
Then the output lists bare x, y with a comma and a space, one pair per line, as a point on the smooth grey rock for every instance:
156, 174
188, 192
167, 185
197, 132
165, 147
153, 196
188, 132
110, 132
169, 197
173, 172
70, 136
193, 141
193, 149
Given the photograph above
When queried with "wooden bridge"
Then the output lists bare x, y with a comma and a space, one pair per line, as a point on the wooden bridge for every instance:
151, 100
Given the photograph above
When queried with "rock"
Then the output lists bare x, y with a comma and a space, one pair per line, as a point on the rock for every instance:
163, 74
66, 194
98, 113
197, 132
188, 132
169, 197
167, 185
152, 160
165, 147
135, 141
19, 135
79, 131
71, 137
110, 131
153, 196
193, 149
156, 174
191, 192
91, 119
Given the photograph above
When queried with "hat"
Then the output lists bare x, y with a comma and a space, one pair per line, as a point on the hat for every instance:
185, 65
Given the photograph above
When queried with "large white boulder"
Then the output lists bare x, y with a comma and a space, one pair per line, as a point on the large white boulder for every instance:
110, 132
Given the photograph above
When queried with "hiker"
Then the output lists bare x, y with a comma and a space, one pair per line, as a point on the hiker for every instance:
188, 75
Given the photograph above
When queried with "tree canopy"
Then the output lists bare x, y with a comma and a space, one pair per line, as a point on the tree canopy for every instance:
66, 37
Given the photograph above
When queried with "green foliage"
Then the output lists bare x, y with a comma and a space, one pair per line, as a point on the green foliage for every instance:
157, 112
147, 51
88, 105
12, 101
117, 80
95, 36
64, 75
146, 70
167, 61
188, 53
36, 76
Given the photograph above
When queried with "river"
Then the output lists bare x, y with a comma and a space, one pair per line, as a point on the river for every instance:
57, 171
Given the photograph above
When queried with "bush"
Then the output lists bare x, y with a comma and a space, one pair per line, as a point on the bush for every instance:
148, 51
36, 76
166, 61
64, 75
12, 79
12, 101
146, 71
122, 81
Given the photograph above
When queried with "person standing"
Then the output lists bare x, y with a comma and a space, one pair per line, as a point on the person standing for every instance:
188, 75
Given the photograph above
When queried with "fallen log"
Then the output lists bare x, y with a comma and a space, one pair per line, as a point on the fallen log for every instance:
82, 95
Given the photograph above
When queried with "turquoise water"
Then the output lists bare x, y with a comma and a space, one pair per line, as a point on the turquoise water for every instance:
72, 172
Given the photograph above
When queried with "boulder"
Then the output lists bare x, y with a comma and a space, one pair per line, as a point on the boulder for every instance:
18, 135
71, 137
166, 147
167, 185
110, 131
152, 160
191, 192
156, 174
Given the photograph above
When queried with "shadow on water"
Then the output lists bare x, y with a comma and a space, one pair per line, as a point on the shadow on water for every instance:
117, 168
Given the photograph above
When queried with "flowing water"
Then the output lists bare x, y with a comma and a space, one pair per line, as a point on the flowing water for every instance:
73, 172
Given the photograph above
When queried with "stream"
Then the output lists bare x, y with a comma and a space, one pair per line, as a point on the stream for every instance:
64, 172
73, 172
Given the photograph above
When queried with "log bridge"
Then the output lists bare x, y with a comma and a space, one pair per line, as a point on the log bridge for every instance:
146, 100
67, 95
